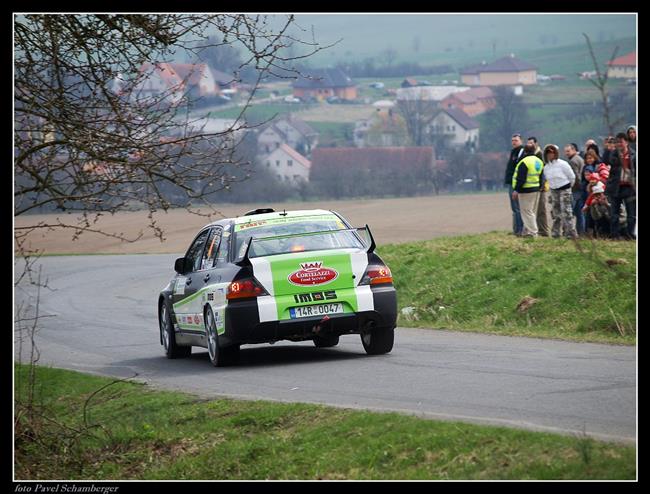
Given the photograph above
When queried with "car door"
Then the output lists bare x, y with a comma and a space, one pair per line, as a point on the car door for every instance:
188, 284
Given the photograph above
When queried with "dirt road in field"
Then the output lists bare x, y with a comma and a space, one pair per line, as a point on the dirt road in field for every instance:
391, 221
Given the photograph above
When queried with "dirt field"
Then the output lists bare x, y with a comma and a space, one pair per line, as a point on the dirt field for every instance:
391, 221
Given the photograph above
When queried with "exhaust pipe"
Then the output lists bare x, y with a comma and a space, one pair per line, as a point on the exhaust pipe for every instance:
319, 327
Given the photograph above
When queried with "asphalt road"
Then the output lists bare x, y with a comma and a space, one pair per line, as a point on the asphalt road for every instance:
100, 316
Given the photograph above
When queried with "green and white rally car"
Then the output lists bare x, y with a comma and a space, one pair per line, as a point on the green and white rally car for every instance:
269, 276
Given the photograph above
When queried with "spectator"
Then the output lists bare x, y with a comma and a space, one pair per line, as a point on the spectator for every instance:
526, 182
593, 147
588, 142
621, 186
542, 205
609, 148
576, 162
631, 137
560, 177
516, 154
591, 162
599, 213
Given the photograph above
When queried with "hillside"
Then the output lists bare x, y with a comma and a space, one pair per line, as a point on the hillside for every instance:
456, 39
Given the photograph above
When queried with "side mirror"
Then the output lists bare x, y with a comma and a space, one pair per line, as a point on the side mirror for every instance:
179, 265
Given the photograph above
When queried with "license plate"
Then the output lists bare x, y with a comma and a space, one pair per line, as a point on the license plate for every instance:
315, 310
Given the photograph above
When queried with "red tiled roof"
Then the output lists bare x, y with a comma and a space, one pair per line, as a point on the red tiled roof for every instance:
296, 156
628, 60
189, 72
472, 95
175, 74
372, 157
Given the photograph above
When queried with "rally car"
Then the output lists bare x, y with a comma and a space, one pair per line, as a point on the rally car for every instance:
268, 276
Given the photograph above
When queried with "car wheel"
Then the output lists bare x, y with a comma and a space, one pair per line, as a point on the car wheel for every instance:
172, 350
326, 341
377, 341
219, 356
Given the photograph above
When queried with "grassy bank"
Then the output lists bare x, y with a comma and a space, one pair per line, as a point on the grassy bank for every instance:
133, 432
581, 292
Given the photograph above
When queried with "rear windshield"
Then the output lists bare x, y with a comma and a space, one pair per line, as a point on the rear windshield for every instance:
267, 245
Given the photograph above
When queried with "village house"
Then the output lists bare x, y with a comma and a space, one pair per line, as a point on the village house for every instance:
385, 127
623, 67
506, 71
171, 81
286, 130
455, 128
324, 83
473, 102
288, 165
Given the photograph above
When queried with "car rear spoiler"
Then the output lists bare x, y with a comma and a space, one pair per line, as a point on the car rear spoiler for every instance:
245, 260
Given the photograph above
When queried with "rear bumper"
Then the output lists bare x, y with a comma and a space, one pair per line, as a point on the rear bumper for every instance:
243, 326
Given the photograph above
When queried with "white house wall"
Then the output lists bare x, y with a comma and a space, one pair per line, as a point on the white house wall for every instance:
277, 163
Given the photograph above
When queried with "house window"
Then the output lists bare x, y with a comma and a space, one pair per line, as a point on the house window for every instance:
289, 162
453, 128
268, 149
268, 163
277, 145
279, 177
277, 163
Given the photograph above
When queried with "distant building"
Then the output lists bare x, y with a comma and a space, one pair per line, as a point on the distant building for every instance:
429, 93
409, 82
171, 81
473, 102
385, 127
623, 67
287, 130
324, 83
458, 128
288, 165
506, 71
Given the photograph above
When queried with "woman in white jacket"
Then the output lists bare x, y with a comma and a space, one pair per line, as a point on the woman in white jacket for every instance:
560, 178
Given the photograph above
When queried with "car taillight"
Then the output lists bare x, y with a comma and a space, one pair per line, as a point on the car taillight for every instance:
245, 288
376, 275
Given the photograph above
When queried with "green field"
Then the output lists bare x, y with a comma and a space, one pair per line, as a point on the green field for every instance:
133, 432
582, 292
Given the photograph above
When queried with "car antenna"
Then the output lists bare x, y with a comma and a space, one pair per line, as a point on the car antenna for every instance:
284, 212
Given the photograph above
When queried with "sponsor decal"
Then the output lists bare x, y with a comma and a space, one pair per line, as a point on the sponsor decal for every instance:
196, 319
210, 297
312, 273
252, 224
314, 296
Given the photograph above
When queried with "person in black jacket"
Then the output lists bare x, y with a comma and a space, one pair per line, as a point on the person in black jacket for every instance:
516, 154
621, 185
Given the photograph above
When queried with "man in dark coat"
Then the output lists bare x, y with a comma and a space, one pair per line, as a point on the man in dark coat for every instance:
516, 154
621, 186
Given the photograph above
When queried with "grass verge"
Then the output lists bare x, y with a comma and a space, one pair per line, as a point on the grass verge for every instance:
133, 432
583, 291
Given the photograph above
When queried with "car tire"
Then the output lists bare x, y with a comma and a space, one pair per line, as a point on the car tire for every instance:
219, 356
377, 341
168, 336
326, 341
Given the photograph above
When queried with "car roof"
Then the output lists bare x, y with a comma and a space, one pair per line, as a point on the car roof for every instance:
276, 214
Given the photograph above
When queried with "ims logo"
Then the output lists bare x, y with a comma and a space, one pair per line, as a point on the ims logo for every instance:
315, 296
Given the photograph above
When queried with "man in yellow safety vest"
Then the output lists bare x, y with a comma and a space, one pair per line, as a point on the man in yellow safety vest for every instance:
526, 183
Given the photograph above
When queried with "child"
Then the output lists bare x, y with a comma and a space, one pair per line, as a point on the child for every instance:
599, 211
